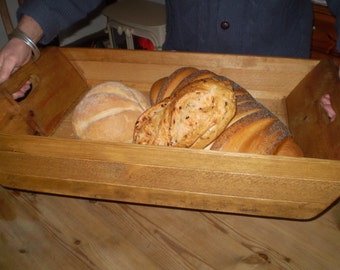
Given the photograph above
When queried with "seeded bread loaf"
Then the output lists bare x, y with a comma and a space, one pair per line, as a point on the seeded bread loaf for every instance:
192, 116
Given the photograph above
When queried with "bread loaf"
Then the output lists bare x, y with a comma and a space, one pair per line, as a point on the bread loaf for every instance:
253, 129
177, 80
154, 91
168, 84
192, 116
108, 112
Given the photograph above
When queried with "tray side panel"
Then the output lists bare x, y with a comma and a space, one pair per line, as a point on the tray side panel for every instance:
245, 184
317, 135
56, 87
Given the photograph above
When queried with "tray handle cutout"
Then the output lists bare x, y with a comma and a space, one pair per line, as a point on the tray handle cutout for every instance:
26, 89
312, 127
57, 86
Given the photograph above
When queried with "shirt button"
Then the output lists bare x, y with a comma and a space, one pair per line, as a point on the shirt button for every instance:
225, 25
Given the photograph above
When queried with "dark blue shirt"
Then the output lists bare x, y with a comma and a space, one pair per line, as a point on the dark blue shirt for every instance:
271, 27
258, 27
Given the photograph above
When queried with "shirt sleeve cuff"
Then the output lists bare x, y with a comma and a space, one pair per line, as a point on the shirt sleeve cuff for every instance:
42, 15
55, 16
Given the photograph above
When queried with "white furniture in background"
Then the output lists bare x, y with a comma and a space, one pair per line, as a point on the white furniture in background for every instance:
140, 18
75, 32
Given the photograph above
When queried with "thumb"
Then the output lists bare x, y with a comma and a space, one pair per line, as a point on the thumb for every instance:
6, 69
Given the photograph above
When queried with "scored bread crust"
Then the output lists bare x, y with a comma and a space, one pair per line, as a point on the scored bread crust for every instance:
255, 129
194, 76
258, 132
154, 90
171, 82
192, 117
108, 112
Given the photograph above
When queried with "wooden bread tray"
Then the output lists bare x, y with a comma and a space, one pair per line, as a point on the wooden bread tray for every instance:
58, 163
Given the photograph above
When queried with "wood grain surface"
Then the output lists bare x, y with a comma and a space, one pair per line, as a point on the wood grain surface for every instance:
41, 232
196, 179
308, 121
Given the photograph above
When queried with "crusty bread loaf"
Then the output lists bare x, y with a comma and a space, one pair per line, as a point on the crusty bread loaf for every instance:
288, 147
253, 129
171, 82
108, 112
191, 117
194, 76
154, 91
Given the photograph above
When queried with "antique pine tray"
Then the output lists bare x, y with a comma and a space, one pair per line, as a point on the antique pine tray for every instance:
38, 151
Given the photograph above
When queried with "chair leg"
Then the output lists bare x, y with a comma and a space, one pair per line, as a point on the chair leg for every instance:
6, 19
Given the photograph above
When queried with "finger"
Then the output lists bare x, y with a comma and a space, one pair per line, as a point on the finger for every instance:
327, 106
22, 91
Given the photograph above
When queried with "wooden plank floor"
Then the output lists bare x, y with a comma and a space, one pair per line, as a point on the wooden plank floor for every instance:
40, 231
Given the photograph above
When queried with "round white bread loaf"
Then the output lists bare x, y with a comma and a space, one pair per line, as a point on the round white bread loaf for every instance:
108, 112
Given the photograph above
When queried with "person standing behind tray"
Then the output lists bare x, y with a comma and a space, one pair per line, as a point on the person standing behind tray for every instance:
274, 28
